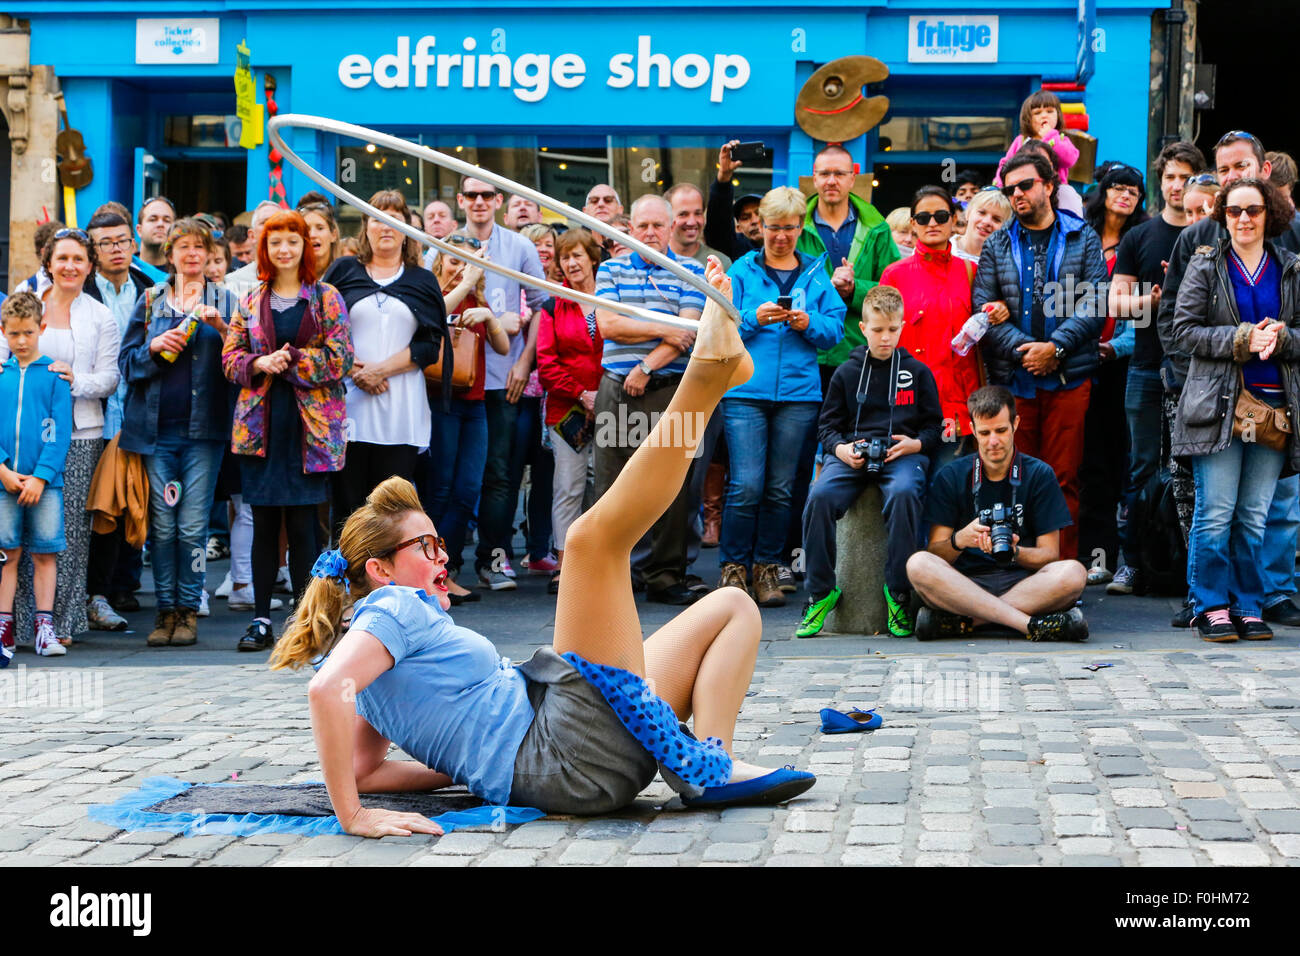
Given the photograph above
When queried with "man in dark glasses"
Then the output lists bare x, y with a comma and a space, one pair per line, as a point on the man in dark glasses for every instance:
506, 374
1134, 296
1237, 155
1046, 269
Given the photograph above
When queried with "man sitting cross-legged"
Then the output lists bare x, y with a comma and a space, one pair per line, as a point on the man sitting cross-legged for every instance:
984, 510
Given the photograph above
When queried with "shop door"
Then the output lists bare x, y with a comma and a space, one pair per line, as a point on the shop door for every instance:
148, 177
207, 185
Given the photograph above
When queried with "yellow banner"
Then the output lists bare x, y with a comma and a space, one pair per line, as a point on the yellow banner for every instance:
249, 111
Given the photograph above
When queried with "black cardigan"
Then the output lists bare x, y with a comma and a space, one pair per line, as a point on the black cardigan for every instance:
418, 290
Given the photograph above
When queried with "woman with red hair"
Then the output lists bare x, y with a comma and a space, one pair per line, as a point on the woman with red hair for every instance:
289, 348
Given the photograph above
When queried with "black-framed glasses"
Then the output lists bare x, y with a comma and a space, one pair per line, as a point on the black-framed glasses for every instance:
472, 241
425, 541
112, 245
1024, 186
1202, 179
923, 218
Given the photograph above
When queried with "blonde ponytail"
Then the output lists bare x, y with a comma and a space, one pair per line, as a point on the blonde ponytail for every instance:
370, 531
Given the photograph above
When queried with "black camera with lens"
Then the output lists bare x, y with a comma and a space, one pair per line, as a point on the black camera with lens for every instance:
1001, 524
873, 450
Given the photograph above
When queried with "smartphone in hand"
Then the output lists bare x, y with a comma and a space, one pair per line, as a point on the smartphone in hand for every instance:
748, 152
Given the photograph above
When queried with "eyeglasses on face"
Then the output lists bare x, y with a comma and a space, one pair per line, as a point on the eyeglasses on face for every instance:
1024, 186
1254, 211
833, 174
601, 200
112, 245
787, 229
923, 218
425, 541
484, 194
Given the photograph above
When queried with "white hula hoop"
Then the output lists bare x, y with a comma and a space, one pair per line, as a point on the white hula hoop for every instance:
415, 150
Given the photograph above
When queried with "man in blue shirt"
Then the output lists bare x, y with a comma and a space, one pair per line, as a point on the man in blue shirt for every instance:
506, 374
643, 363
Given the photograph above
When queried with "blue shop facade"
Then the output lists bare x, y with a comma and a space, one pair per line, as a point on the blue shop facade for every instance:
561, 95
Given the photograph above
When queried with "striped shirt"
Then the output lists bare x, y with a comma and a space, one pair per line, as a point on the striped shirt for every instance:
632, 280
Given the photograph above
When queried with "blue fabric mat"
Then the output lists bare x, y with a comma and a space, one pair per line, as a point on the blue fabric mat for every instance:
155, 807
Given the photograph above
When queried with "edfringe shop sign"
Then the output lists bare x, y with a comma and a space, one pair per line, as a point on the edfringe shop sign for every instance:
531, 75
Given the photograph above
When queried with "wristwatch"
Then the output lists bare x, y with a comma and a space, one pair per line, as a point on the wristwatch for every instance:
1060, 354
645, 368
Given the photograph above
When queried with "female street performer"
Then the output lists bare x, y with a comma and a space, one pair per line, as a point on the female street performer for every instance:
581, 726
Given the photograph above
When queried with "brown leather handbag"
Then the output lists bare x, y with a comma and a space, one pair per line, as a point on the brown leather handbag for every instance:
1268, 426
464, 362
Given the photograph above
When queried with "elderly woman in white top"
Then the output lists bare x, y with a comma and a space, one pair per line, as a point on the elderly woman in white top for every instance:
81, 336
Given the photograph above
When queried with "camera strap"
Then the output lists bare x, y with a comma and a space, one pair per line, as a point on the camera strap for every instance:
862, 392
977, 480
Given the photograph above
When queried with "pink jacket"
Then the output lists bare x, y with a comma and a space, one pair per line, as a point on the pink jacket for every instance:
1066, 152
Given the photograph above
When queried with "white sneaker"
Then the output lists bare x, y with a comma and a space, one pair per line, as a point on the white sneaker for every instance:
47, 645
282, 584
204, 610
241, 599
226, 586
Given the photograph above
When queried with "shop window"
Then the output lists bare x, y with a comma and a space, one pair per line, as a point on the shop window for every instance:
945, 133
212, 131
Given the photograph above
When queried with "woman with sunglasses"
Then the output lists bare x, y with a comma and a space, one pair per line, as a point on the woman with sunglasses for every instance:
583, 725
177, 416
399, 326
80, 335
1115, 206
288, 348
936, 288
458, 444
1236, 317
789, 311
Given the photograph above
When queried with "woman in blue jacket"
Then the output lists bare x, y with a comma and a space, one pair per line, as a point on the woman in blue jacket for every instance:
789, 311
177, 416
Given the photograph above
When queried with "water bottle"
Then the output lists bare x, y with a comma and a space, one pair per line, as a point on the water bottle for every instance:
971, 332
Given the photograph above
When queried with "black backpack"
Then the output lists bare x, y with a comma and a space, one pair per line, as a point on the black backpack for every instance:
1163, 551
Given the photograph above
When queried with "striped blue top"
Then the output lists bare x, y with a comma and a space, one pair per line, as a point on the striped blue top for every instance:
630, 279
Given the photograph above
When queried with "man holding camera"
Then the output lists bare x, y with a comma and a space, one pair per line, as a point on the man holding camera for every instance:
881, 421
995, 528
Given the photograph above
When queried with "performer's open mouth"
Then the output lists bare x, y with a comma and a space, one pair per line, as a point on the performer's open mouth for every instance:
440, 581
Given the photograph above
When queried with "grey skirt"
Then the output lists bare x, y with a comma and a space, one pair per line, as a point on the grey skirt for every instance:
577, 757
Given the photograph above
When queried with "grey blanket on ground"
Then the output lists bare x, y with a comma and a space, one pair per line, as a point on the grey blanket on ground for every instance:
307, 800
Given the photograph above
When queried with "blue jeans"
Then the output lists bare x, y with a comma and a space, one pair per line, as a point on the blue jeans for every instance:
459, 451
1143, 407
1225, 560
179, 533
1280, 541
763, 439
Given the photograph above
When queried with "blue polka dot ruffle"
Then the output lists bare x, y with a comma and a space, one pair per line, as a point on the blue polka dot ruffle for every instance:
653, 723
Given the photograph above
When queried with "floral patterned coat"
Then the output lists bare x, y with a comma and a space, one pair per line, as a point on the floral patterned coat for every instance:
322, 358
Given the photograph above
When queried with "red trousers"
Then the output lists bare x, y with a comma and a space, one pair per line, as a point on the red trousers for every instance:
1051, 428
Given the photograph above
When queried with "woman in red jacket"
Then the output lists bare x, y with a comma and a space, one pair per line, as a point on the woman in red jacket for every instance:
936, 297
569, 347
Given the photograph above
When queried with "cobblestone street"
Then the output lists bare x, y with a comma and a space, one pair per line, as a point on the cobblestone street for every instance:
991, 753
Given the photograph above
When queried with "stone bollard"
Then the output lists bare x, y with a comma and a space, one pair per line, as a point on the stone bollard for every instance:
860, 568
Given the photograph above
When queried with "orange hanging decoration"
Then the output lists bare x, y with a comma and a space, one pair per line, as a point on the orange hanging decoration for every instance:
276, 174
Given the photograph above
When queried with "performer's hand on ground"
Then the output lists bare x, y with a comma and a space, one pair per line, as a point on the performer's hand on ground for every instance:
381, 823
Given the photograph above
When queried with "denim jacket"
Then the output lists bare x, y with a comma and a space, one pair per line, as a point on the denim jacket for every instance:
211, 396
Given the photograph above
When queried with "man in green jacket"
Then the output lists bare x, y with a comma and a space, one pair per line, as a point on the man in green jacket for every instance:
856, 238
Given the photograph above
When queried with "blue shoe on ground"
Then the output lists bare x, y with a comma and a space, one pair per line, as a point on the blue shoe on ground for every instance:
849, 722
775, 787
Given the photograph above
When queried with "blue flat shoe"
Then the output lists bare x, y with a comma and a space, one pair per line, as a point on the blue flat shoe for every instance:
775, 787
849, 722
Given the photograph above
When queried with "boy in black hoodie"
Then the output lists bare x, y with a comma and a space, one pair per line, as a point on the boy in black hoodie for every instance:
880, 392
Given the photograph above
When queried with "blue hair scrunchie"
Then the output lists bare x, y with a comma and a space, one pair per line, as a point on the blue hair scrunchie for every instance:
332, 564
